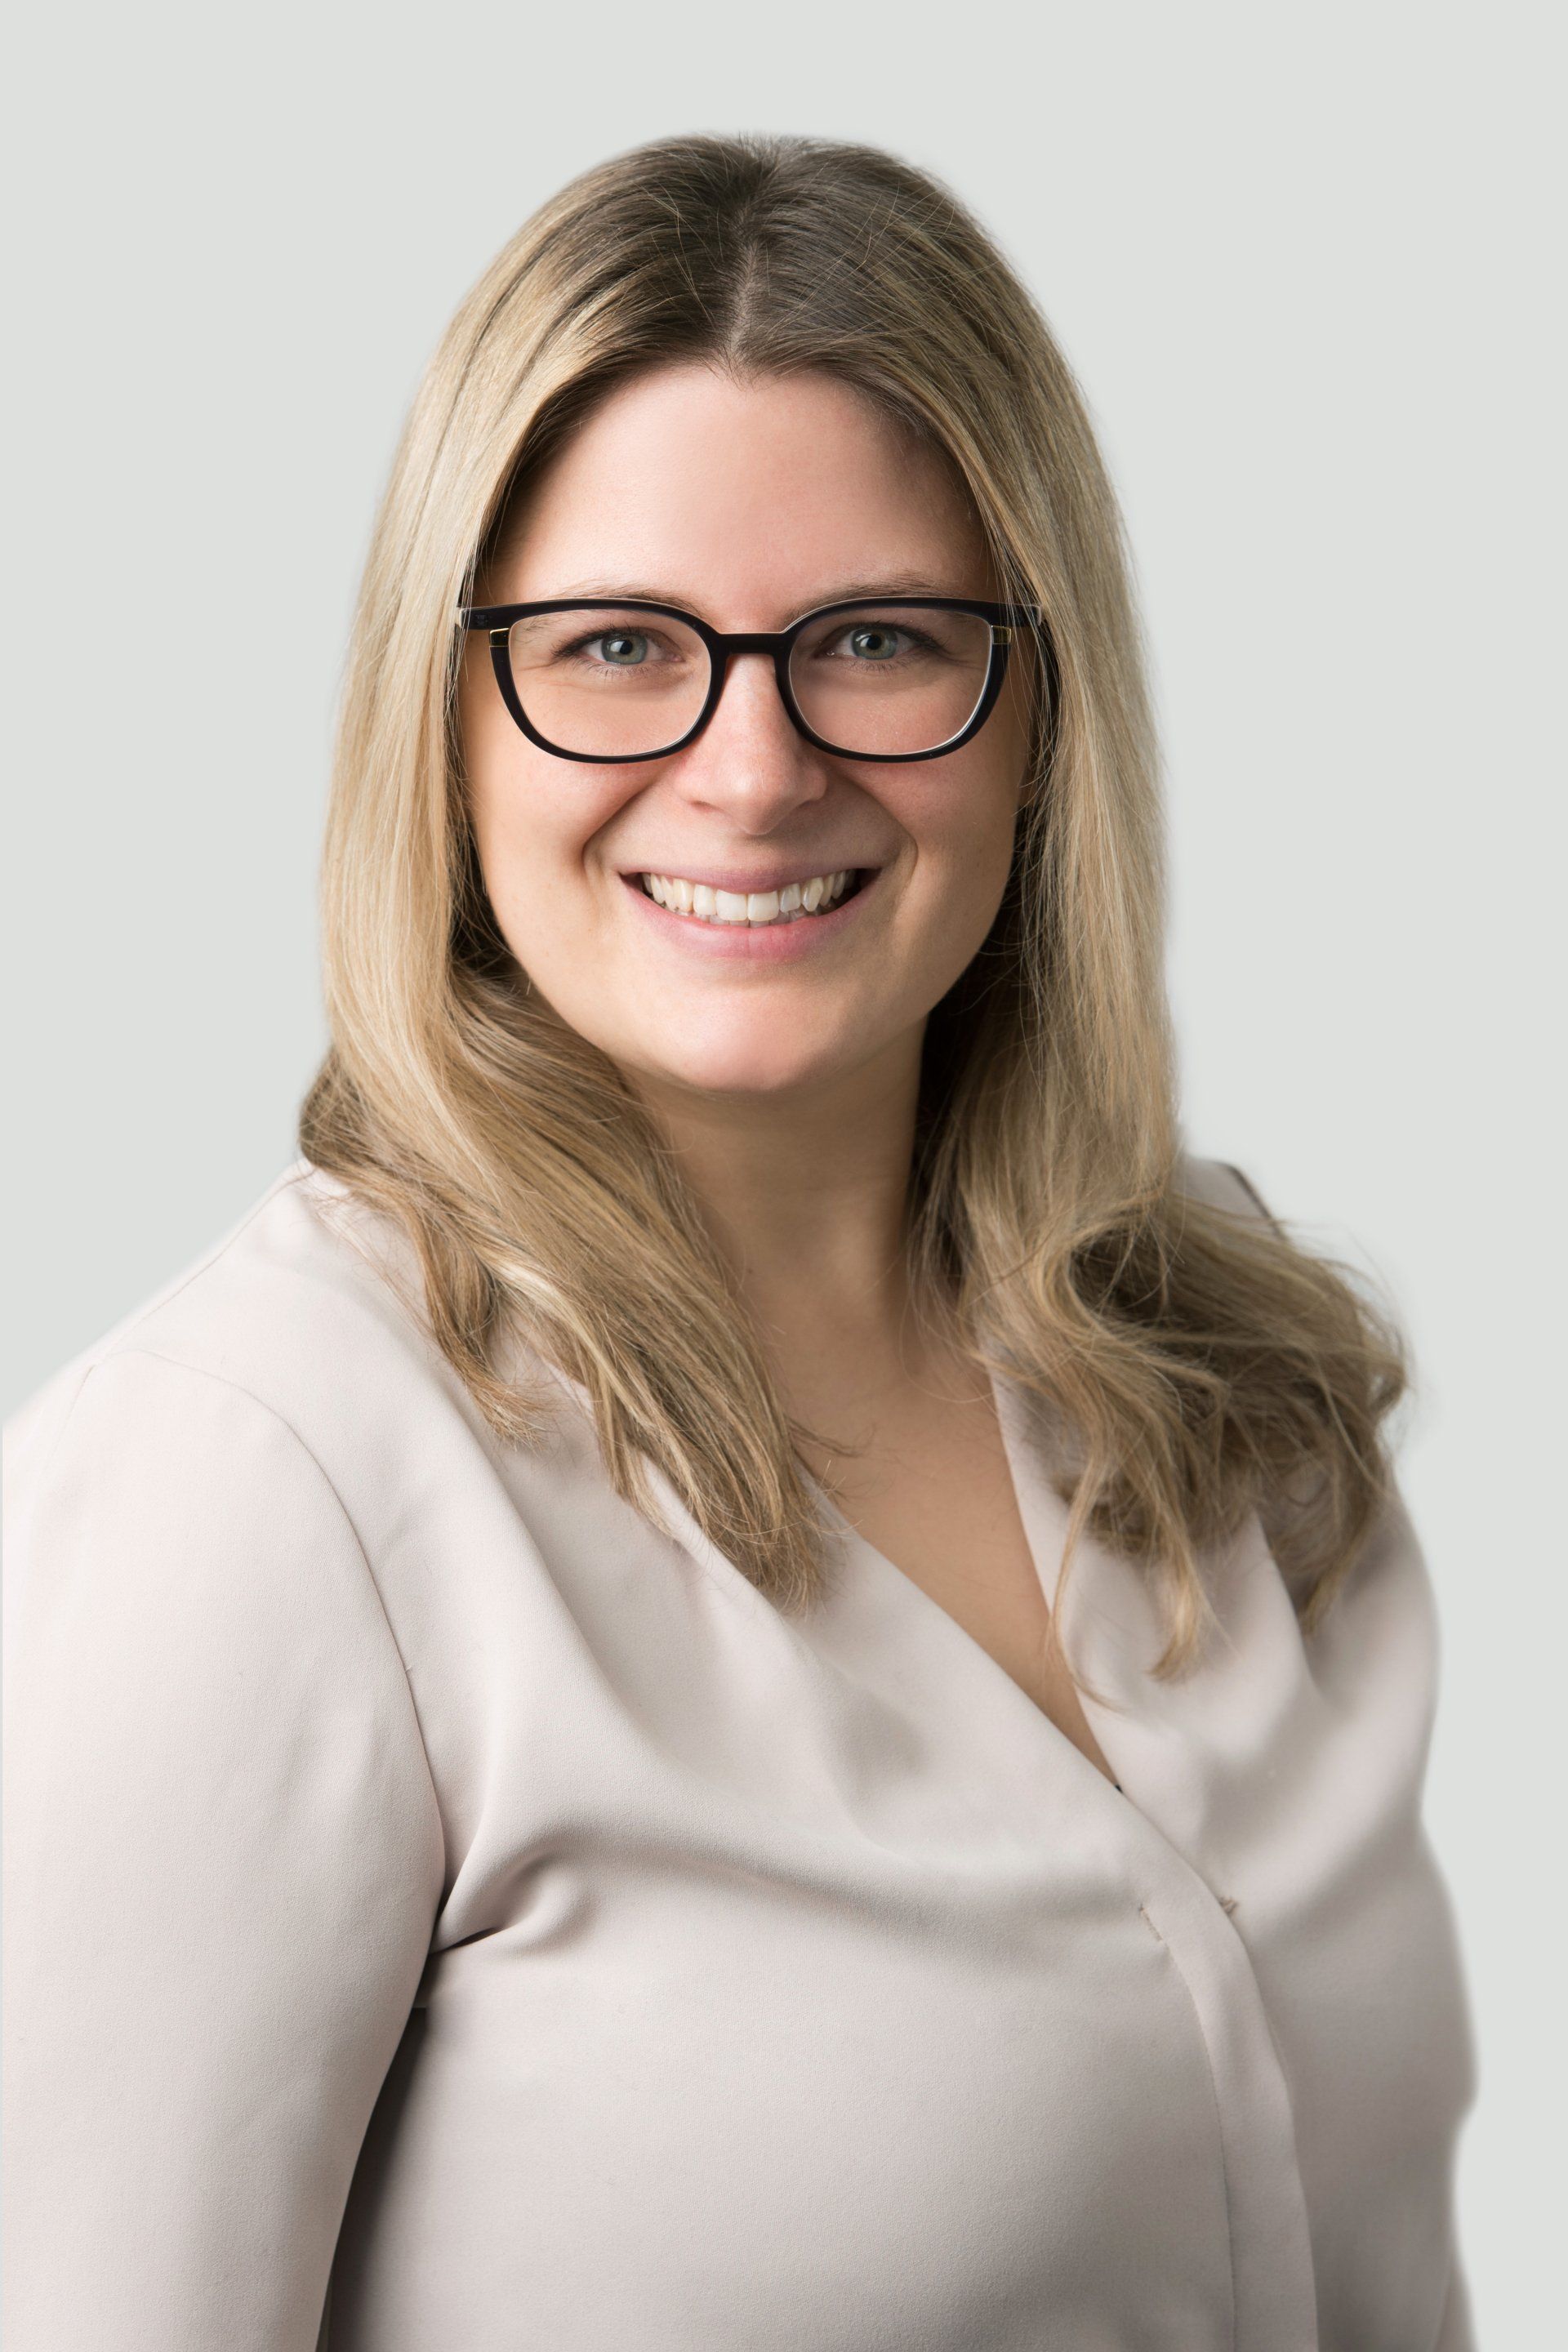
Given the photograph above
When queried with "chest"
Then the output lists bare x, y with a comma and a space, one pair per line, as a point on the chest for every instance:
932, 1491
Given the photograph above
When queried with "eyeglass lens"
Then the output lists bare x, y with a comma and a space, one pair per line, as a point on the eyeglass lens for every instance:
625, 685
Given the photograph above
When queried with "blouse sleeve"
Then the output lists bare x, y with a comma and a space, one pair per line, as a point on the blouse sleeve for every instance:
223, 1858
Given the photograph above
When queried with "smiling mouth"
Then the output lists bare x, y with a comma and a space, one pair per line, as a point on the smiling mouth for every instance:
756, 910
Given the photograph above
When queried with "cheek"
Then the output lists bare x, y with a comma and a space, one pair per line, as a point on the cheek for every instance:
531, 817
964, 829
531, 853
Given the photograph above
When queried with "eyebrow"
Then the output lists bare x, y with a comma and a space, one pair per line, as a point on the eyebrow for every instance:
891, 583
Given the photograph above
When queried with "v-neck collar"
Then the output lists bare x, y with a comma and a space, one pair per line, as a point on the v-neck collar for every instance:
1173, 1747
864, 1584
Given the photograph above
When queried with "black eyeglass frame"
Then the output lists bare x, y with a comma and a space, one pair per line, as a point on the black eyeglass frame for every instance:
1005, 621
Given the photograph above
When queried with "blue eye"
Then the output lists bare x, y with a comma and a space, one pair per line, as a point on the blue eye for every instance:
875, 644
622, 648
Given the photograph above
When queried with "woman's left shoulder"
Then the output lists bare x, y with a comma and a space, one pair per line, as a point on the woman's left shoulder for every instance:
1221, 1184
1383, 1620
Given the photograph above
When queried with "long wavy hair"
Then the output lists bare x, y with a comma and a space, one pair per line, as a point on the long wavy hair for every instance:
1196, 1362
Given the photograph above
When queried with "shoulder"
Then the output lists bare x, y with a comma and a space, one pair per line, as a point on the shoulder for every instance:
1222, 1185
300, 1321
1383, 1622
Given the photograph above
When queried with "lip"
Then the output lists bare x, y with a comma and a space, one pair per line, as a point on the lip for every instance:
764, 944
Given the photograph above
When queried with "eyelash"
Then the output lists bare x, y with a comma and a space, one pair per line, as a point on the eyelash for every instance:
596, 637
918, 643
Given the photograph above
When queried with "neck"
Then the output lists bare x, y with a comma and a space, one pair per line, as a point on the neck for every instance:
808, 1198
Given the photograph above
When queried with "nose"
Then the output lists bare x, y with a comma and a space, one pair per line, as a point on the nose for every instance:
749, 761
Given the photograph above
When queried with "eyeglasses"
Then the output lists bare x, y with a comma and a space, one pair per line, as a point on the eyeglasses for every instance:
896, 677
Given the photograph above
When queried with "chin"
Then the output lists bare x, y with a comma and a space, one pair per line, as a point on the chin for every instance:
757, 1066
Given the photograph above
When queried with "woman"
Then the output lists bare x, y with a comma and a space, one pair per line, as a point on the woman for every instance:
745, 1671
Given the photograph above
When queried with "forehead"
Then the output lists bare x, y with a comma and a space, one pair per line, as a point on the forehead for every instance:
749, 499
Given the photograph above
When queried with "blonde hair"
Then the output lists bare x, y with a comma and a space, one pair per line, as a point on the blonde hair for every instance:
1198, 1362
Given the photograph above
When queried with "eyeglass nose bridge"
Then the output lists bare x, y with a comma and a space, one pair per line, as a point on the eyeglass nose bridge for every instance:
777, 645
755, 642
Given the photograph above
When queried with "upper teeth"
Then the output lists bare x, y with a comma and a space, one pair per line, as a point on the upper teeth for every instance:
711, 906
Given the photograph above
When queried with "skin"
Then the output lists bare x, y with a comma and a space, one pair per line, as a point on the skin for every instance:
787, 1090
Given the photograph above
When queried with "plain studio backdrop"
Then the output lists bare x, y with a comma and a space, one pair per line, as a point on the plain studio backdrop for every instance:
1301, 262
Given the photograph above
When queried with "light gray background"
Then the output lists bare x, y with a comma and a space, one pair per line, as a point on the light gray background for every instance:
1300, 260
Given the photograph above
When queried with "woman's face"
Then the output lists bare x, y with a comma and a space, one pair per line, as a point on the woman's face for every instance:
747, 503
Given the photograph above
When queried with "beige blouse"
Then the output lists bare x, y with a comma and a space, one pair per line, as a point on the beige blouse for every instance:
447, 1914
